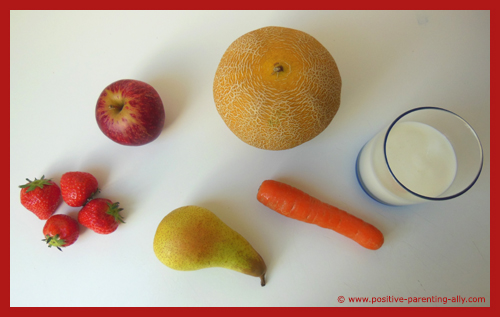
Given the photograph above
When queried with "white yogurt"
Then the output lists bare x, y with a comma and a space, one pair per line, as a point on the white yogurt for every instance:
420, 157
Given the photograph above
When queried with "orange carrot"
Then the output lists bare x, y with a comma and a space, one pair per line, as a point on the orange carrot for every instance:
294, 203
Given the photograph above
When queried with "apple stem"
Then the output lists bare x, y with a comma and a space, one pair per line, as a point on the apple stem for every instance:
117, 107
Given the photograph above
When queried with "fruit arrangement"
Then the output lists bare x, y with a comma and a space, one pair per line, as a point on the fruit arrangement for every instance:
286, 93
43, 197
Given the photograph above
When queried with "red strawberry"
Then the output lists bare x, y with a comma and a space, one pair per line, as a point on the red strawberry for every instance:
60, 231
78, 187
101, 215
41, 196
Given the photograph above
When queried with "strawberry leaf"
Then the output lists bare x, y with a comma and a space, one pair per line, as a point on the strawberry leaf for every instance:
32, 185
54, 241
114, 211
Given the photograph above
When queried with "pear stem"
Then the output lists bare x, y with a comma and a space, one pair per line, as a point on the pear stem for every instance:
263, 279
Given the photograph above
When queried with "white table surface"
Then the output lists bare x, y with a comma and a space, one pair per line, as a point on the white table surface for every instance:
389, 62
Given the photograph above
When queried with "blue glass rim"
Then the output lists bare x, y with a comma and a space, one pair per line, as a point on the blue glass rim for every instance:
423, 196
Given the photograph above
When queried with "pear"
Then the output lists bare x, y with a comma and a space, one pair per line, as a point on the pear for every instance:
192, 238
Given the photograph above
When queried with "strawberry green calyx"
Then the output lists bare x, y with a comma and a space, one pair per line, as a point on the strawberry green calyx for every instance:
31, 185
54, 241
114, 211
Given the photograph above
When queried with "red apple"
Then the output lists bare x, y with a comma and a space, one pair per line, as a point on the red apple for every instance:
130, 112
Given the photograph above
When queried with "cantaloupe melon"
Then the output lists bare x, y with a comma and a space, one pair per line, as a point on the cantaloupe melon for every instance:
276, 88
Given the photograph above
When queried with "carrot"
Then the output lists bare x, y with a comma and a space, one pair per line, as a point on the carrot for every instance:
294, 203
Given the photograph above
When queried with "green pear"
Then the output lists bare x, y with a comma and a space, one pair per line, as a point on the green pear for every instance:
192, 238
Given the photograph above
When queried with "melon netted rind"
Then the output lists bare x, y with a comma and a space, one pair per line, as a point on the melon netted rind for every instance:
277, 110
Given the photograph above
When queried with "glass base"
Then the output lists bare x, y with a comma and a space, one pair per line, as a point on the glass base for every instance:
360, 181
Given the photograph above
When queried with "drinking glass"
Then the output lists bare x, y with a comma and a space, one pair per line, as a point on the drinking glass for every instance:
425, 154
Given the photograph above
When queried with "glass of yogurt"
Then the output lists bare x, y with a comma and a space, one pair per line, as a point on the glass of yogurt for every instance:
426, 154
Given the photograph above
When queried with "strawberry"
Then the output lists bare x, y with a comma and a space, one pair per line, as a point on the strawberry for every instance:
41, 196
78, 187
60, 231
101, 215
